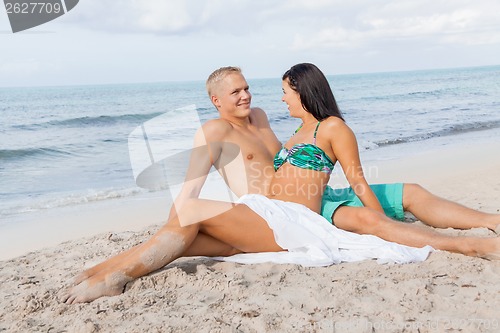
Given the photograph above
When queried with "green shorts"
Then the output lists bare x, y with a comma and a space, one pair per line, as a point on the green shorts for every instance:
389, 195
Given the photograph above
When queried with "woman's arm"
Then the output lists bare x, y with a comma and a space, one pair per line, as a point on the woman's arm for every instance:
345, 148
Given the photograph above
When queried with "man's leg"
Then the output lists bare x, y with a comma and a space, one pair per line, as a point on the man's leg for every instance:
207, 246
203, 245
239, 227
364, 220
441, 213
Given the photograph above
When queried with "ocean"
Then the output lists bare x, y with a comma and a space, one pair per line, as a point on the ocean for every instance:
62, 146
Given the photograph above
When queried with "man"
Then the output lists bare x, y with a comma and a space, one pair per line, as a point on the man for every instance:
239, 126
245, 132
240, 130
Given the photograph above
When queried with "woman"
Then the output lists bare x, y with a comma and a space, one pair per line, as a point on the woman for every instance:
285, 223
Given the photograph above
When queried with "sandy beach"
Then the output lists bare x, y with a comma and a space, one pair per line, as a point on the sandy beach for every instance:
446, 293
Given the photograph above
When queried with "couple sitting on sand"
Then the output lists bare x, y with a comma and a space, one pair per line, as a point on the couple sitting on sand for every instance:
287, 208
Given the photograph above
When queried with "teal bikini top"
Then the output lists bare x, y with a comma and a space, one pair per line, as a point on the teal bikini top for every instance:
305, 156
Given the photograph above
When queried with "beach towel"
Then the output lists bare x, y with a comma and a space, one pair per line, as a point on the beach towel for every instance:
310, 240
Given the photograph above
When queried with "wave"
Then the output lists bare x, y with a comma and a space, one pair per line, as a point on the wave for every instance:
10, 154
279, 118
71, 199
205, 110
452, 130
411, 95
99, 121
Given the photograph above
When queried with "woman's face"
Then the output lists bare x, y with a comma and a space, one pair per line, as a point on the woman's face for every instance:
292, 99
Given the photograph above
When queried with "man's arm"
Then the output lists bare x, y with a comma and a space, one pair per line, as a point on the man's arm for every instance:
206, 151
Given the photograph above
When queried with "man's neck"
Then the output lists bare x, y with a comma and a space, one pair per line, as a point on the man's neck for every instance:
240, 122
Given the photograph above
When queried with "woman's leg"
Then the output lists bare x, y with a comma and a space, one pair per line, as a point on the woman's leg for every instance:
238, 227
441, 213
364, 220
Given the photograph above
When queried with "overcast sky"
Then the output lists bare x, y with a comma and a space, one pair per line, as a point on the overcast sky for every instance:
121, 41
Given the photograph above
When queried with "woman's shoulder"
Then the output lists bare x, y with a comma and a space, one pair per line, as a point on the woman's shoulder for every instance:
334, 124
338, 133
336, 130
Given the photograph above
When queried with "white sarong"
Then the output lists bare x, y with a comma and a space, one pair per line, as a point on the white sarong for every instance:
310, 240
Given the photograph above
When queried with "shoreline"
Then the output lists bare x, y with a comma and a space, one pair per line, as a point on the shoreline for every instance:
48, 228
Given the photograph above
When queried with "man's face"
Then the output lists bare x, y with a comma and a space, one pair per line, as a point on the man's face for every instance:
232, 96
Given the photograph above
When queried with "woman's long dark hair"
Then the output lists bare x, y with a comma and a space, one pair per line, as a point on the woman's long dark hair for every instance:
314, 91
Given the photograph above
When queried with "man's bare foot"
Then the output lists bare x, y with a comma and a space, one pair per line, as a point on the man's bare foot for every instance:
105, 265
110, 277
98, 285
497, 229
84, 276
491, 256
493, 252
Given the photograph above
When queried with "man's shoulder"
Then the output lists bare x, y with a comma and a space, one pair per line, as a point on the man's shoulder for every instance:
259, 117
259, 113
217, 124
216, 129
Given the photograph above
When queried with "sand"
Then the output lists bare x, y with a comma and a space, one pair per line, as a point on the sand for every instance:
446, 293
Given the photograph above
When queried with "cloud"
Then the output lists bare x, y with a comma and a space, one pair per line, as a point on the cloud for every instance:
437, 21
170, 17
134, 16
184, 38
299, 25
167, 16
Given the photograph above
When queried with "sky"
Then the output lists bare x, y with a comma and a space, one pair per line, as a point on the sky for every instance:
132, 41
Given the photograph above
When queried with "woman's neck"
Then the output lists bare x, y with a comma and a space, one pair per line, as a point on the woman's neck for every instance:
308, 119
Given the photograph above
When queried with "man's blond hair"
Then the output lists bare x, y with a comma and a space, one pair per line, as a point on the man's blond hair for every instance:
218, 75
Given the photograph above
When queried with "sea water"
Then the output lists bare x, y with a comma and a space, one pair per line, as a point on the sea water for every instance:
69, 145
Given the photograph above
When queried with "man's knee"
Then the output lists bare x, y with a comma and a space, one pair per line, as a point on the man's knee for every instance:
411, 193
370, 220
230, 251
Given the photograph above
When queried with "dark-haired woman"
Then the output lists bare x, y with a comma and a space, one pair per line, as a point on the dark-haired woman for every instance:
358, 209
